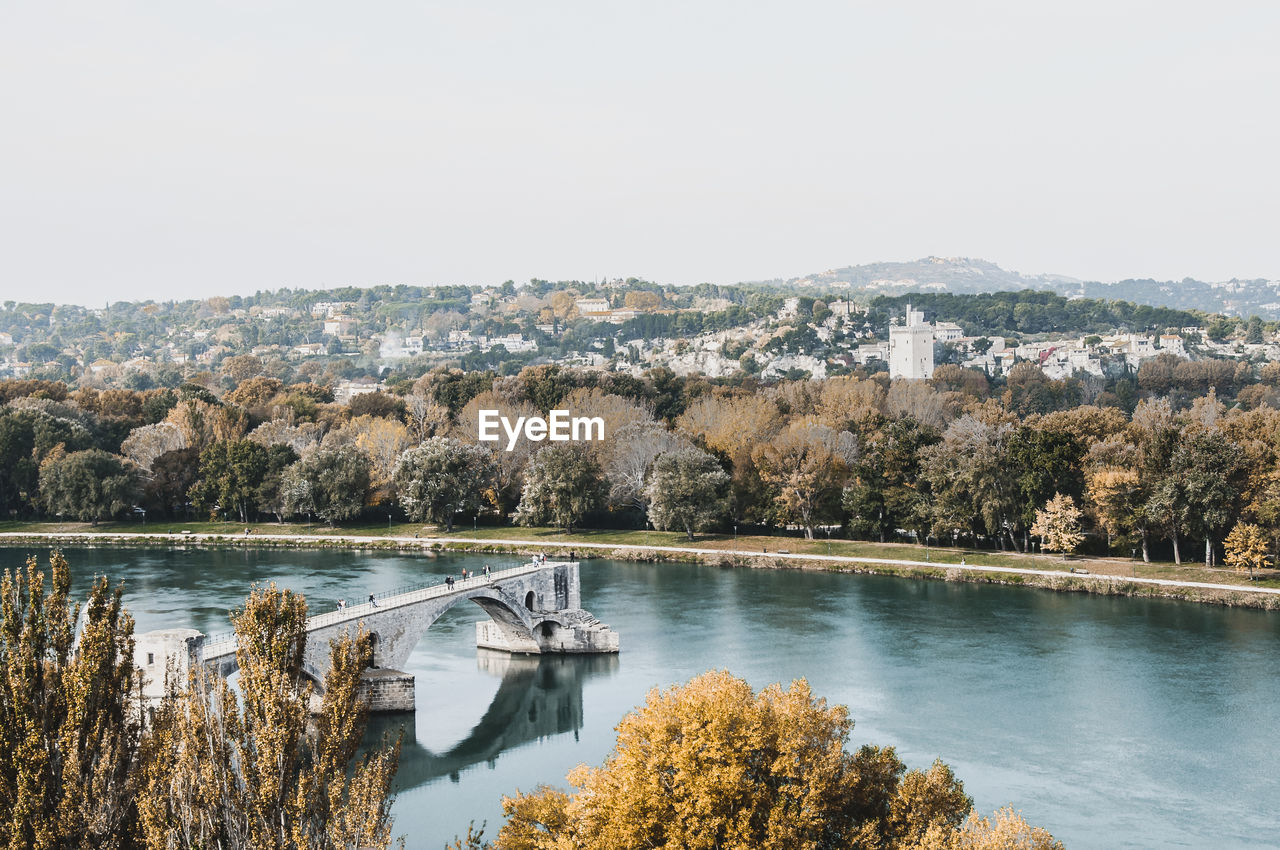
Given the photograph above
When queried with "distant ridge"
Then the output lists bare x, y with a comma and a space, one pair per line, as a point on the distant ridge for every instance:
969, 276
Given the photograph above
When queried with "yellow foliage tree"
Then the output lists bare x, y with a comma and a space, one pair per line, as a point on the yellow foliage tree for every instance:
1058, 525
1248, 548
714, 765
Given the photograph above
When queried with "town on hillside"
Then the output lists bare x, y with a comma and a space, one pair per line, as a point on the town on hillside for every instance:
356, 340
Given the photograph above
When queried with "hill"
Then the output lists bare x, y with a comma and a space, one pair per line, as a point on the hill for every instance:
966, 276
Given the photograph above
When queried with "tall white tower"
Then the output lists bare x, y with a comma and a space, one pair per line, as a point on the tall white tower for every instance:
911, 348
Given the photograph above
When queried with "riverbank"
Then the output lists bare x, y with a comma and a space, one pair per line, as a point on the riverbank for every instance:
1083, 575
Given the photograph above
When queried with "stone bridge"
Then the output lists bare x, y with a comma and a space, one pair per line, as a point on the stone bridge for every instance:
533, 608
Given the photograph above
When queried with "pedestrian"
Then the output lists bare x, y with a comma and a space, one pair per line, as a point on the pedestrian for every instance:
342, 604
448, 580
487, 571
373, 601
573, 557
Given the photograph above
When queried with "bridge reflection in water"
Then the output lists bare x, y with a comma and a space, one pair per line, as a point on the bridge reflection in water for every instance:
540, 697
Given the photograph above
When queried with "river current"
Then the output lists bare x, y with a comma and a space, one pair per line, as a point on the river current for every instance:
1112, 722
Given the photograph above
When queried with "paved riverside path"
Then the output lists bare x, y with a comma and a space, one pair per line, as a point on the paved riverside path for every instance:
426, 542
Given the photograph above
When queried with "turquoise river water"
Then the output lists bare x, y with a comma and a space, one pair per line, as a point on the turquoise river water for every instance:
1112, 722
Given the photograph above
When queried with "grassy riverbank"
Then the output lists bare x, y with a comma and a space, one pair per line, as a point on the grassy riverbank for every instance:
1120, 576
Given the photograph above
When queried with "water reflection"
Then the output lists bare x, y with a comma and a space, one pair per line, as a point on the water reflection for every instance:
540, 697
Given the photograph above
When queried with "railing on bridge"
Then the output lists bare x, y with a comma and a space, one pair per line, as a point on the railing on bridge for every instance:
224, 643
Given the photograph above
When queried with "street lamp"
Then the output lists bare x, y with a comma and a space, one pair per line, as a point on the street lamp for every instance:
735, 537
475, 526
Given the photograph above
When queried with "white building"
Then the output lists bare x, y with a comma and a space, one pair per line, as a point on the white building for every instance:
947, 331
911, 348
591, 306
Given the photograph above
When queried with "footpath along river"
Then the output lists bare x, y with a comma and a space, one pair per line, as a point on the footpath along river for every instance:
1113, 722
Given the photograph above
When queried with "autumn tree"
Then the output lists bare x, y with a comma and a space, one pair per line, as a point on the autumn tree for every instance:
712, 764
1247, 548
441, 478
69, 724
381, 440
805, 468
1057, 525
562, 484
688, 489
1007, 831
252, 770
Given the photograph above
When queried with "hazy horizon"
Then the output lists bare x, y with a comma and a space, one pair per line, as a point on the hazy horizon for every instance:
172, 152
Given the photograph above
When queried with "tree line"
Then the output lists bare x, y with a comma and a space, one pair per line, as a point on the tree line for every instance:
957, 459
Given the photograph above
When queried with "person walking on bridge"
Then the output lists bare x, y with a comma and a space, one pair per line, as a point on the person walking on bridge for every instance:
373, 602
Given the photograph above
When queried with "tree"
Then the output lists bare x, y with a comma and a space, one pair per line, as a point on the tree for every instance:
973, 481
1207, 467
629, 459
1008, 832
561, 485
253, 769
688, 490
885, 492
712, 764
172, 476
441, 478
1248, 548
1048, 461
230, 475
381, 440
1058, 525
87, 485
805, 468
333, 484
69, 726
270, 493
145, 444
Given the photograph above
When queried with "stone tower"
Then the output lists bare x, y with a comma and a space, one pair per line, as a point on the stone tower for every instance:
911, 348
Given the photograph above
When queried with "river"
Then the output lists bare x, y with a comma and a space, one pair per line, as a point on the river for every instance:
1112, 722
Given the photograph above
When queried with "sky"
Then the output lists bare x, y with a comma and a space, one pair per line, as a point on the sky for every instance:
175, 150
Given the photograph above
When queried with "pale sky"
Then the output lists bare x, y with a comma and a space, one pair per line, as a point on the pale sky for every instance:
183, 149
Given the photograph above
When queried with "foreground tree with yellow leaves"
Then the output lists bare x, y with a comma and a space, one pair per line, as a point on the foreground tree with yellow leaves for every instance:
714, 765
254, 770
68, 727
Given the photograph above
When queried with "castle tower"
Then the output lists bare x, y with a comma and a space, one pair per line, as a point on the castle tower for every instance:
911, 348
